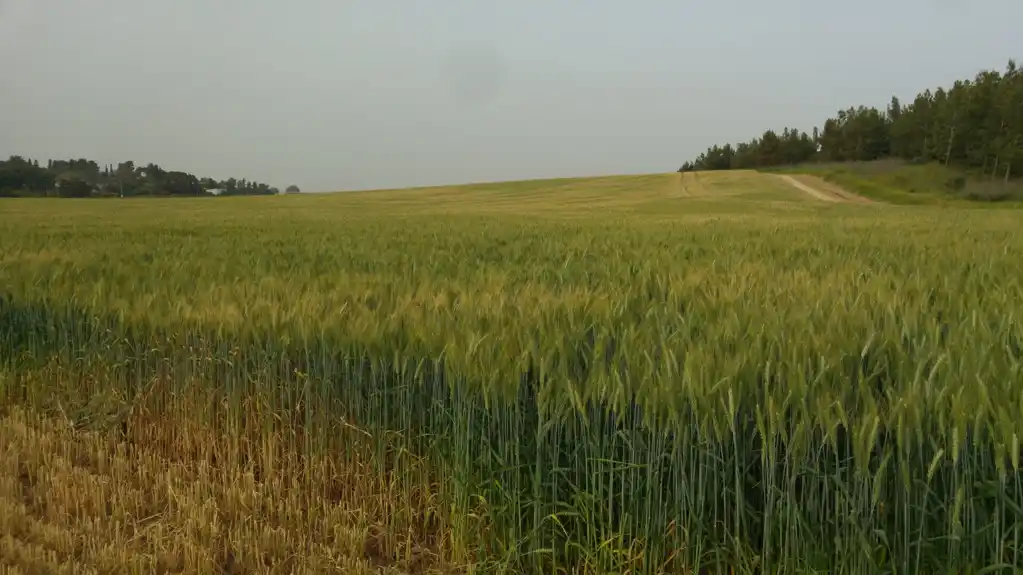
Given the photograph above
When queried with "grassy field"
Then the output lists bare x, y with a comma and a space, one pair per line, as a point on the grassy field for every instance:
710, 372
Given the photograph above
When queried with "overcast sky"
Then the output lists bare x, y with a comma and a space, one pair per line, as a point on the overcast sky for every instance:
346, 94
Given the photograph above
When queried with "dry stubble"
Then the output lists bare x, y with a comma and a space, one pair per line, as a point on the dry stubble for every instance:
160, 500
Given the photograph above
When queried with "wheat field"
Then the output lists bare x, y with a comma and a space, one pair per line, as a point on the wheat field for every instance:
708, 372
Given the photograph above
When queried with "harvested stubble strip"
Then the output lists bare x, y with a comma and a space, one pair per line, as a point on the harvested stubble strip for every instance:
163, 500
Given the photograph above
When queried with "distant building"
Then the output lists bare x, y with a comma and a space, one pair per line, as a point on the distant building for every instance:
216, 191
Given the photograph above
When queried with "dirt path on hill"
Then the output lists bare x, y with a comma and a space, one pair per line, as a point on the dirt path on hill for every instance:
823, 190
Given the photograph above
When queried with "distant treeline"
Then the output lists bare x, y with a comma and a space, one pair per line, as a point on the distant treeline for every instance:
84, 178
976, 124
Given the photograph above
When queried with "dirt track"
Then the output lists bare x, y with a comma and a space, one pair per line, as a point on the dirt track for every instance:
824, 191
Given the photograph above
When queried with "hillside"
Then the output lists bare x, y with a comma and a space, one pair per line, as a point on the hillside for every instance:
896, 181
963, 142
635, 196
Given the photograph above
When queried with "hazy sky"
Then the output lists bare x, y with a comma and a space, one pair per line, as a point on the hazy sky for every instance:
345, 94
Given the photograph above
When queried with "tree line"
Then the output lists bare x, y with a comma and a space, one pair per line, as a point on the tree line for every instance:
975, 124
80, 178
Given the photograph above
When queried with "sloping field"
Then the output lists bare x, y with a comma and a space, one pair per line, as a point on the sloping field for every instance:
616, 195
711, 372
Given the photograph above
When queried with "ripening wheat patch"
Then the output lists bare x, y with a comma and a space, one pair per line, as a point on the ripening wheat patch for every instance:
665, 385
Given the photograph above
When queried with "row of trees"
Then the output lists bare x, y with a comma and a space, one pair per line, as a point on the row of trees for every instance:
976, 124
84, 178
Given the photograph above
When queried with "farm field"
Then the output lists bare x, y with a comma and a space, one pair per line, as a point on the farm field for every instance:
703, 372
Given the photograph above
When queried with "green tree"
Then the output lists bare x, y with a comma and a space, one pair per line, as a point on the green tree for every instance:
74, 187
181, 184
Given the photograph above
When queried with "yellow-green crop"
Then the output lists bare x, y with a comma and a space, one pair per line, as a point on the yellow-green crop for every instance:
643, 374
